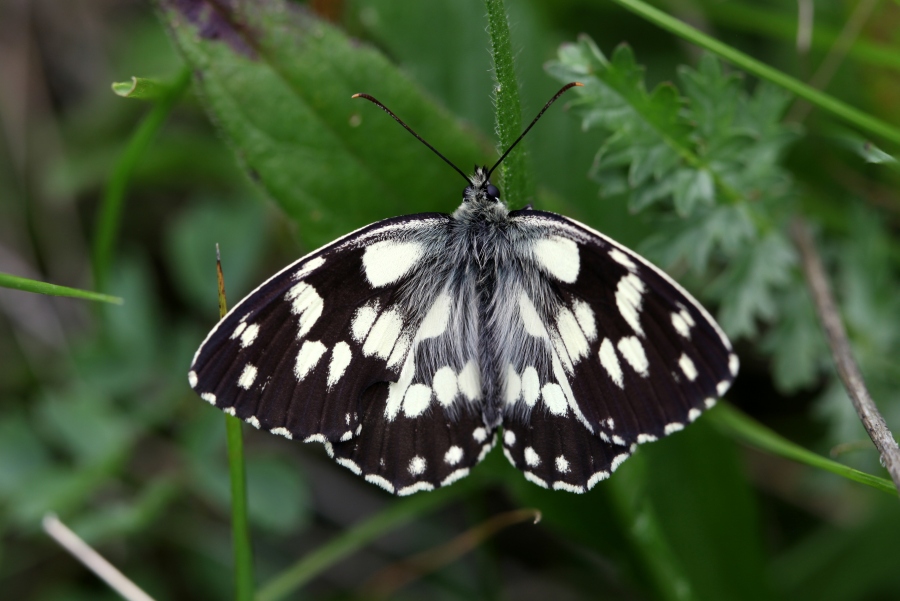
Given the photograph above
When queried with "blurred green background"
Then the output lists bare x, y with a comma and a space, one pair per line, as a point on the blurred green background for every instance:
266, 154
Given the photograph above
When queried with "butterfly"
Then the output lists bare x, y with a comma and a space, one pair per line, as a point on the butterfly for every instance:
408, 346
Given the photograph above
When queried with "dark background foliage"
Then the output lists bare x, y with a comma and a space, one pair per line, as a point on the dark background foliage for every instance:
702, 173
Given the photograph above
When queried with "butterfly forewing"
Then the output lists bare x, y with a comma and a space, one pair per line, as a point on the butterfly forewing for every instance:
635, 355
295, 356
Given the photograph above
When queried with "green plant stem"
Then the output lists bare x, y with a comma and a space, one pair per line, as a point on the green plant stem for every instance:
240, 526
18, 283
240, 523
110, 212
751, 65
514, 180
636, 512
737, 424
398, 513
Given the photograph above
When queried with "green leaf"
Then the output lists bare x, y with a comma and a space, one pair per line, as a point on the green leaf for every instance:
748, 287
330, 162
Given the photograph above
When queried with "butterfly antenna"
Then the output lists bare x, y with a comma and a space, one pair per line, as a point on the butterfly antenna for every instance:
574, 84
375, 101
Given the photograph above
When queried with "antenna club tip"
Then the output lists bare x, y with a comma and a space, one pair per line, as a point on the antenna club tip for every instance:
355, 96
578, 84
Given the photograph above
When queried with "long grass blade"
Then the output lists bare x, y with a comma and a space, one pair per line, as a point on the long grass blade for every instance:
751, 65
19, 283
741, 426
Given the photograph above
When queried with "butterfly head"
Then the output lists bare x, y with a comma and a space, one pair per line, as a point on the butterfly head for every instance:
481, 190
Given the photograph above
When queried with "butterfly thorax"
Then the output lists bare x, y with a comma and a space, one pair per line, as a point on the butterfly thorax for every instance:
481, 201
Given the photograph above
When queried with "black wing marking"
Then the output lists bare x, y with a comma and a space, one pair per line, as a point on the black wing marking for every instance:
407, 455
558, 452
636, 357
295, 356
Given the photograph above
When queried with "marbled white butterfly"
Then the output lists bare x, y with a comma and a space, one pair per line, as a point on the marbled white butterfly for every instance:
406, 345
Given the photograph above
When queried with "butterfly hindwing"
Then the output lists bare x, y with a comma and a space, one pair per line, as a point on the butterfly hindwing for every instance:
409, 454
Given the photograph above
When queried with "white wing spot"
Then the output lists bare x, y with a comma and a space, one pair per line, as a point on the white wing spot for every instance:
535, 479
436, 320
610, 362
282, 432
380, 481
230, 411
572, 335
363, 320
554, 399
470, 381
384, 334
309, 267
673, 427
722, 387
628, 300
349, 464
622, 259
479, 434
643, 438
734, 364
315, 438
681, 326
562, 465
417, 465
387, 261
531, 386
513, 385
192, 378
454, 476
585, 316
611, 423
710, 403
531, 457
306, 304
618, 440
399, 352
597, 477
509, 438
346, 436
617, 461
560, 485
687, 366
307, 358
340, 359
253, 421
633, 351
208, 397
530, 318
445, 386
453, 455
239, 329
414, 488
248, 376
249, 335
416, 401
559, 257
693, 414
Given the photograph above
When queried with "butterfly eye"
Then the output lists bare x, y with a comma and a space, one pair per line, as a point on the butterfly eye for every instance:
493, 191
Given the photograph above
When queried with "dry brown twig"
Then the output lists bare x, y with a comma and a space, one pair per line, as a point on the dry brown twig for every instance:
846, 365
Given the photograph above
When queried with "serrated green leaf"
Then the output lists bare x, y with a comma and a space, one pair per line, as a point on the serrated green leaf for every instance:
278, 82
692, 188
747, 288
